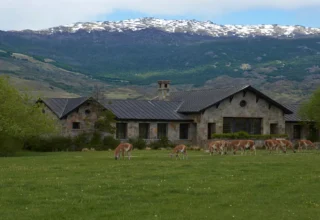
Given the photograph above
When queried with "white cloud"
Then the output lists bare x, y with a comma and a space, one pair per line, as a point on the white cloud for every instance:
36, 14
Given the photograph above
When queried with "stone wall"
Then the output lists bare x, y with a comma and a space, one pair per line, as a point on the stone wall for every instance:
304, 130
173, 131
232, 108
86, 115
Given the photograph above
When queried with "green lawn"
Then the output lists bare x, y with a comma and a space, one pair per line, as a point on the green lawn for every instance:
92, 185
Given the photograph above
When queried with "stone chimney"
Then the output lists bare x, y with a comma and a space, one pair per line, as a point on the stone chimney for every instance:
163, 89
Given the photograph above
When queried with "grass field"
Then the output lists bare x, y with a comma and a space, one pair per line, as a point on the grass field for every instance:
92, 185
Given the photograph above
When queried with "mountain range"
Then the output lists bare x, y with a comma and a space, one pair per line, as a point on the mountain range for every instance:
132, 54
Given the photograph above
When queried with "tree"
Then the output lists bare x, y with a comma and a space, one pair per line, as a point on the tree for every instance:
105, 122
20, 118
310, 110
98, 93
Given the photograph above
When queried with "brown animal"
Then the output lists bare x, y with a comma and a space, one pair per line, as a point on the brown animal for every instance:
306, 144
123, 147
181, 148
271, 144
217, 146
243, 145
85, 149
284, 144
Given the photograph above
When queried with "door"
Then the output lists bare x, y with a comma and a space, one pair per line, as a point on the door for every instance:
296, 131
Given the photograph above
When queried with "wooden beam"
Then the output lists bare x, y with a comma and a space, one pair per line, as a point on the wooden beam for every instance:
230, 99
244, 93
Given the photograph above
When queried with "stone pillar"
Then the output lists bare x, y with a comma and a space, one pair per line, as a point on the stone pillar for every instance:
173, 131
163, 89
133, 130
153, 132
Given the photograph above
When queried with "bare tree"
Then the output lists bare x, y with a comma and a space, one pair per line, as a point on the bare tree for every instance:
98, 93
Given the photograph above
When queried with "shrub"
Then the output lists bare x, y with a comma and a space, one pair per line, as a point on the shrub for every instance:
163, 142
245, 135
60, 143
96, 140
48, 144
81, 141
109, 142
138, 143
9, 146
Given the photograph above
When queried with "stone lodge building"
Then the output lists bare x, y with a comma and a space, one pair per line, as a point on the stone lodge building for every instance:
183, 117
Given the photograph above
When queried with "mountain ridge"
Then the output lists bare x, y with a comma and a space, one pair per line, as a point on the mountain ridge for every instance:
287, 67
205, 28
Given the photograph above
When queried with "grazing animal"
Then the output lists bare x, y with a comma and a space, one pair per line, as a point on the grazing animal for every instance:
284, 144
123, 147
218, 146
271, 144
243, 145
85, 149
306, 144
181, 148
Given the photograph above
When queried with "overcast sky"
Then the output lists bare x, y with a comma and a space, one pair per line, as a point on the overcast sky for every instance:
38, 14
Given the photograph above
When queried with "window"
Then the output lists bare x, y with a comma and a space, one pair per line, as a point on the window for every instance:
144, 130
250, 125
43, 111
296, 131
243, 103
87, 112
121, 130
184, 131
75, 125
211, 129
274, 128
162, 130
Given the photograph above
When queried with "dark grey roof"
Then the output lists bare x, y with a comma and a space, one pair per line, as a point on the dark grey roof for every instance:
63, 106
146, 110
295, 116
198, 100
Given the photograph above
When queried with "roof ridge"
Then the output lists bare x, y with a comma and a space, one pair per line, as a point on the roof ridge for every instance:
64, 109
181, 103
142, 100
215, 88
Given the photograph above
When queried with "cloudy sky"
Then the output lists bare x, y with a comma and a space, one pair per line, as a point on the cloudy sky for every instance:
38, 14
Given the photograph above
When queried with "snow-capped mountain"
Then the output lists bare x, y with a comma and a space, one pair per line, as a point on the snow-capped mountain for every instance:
206, 28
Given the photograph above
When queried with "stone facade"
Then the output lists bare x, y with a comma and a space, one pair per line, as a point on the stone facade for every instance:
231, 108
243, 105
81, 119
296, 130
173, 131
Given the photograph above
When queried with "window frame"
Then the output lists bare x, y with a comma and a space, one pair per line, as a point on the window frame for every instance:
210, 130
274, 127
250, 125
125, 132
184, 135
147, 129
78, 127
158, 130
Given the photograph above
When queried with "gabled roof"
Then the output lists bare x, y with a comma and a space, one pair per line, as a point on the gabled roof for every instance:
63, 106
295, 116
146, 110
199, 100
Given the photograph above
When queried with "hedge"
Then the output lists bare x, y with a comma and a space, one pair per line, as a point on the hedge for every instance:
245, 135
